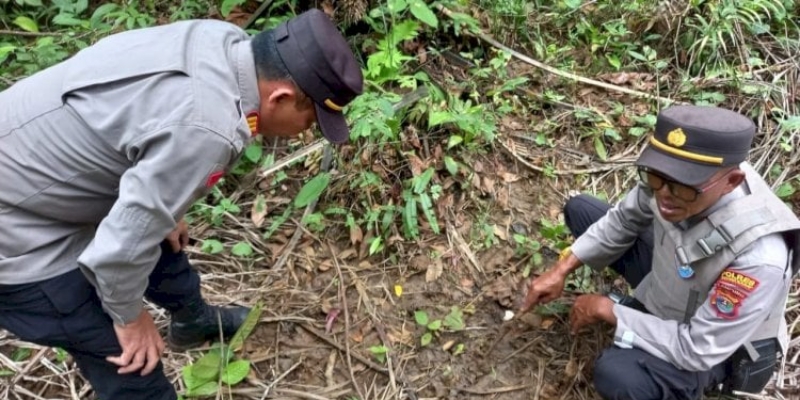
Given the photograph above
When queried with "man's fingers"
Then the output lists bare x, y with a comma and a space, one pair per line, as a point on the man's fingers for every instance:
136, 364
184, 240
121, 360
152, 360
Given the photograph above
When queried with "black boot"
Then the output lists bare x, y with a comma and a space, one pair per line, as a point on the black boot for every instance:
199, 322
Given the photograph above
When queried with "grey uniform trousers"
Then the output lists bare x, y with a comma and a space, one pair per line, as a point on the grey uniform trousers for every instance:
632, 374
65, 312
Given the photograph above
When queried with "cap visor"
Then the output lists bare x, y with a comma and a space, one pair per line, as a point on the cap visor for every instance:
686, 172
333, 125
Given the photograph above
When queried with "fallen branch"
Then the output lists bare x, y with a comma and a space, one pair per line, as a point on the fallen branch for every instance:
556, 71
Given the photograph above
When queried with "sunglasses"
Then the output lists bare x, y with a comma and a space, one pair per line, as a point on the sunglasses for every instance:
686, 193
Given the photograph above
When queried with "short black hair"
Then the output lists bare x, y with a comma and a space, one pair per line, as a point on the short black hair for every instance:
269, 64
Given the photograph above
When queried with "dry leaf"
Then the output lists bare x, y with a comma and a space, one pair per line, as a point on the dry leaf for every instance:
416, 164
500, 232
434, 271
546, 324
259, 210
356, 235
508, 177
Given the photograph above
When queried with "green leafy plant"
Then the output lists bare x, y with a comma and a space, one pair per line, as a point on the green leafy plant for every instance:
379, 352
454, 321
219, 365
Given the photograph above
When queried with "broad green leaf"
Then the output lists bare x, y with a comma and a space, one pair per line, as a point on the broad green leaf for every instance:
427, 209
253, 152
34, 3
206, 389
410, 222
224, 351
67, 20
103, 10
212, 246
454, 320
439, 117
435, 325
235, 372
228, 5
376, 245
6, 372
397, 6
785, 190
421, 317
451, 165
247, 327
242, 249
421, 182
426, 339
188, 378
207, 367
600, 148
26, 24
312, 190
454, 140
423, 13
379, 349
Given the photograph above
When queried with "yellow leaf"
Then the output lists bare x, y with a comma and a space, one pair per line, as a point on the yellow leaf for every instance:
398, 290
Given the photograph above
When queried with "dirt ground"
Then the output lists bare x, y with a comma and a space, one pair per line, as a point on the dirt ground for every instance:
535, 358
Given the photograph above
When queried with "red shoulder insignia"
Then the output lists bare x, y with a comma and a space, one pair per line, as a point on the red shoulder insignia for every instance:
252, 122
214, 177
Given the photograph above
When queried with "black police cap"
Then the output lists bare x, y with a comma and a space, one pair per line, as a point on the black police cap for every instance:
323, 65
691, 143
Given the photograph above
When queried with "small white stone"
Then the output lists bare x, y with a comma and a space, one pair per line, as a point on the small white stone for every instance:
508, 315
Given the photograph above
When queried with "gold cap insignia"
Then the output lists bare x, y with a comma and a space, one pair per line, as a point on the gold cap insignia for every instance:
676, 137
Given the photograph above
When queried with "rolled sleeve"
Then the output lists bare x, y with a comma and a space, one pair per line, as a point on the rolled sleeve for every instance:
171, 169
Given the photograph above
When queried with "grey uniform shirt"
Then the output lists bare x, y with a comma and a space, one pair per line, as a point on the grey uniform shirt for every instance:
101, 155
708, 339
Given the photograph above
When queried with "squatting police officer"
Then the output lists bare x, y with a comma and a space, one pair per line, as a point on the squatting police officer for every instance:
706, 244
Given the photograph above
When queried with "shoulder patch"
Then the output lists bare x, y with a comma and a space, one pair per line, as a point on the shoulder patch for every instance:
730, 291
214, 177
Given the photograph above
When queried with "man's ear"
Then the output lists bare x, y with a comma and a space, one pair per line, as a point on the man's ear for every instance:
275, 92
735, 178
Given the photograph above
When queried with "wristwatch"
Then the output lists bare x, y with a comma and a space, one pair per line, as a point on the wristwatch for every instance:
616, 297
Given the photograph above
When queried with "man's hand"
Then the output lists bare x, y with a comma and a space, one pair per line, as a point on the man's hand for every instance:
550, 285
179, 237
141, 344
590, 309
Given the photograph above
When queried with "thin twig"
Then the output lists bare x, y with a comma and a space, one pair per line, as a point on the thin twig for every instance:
488, 392
343, 298
341, 348
28, 34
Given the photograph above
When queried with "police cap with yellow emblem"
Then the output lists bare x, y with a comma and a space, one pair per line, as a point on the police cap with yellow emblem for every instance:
691, 143
323, 66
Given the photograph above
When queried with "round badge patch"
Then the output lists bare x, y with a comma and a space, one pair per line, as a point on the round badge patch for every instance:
727, 305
